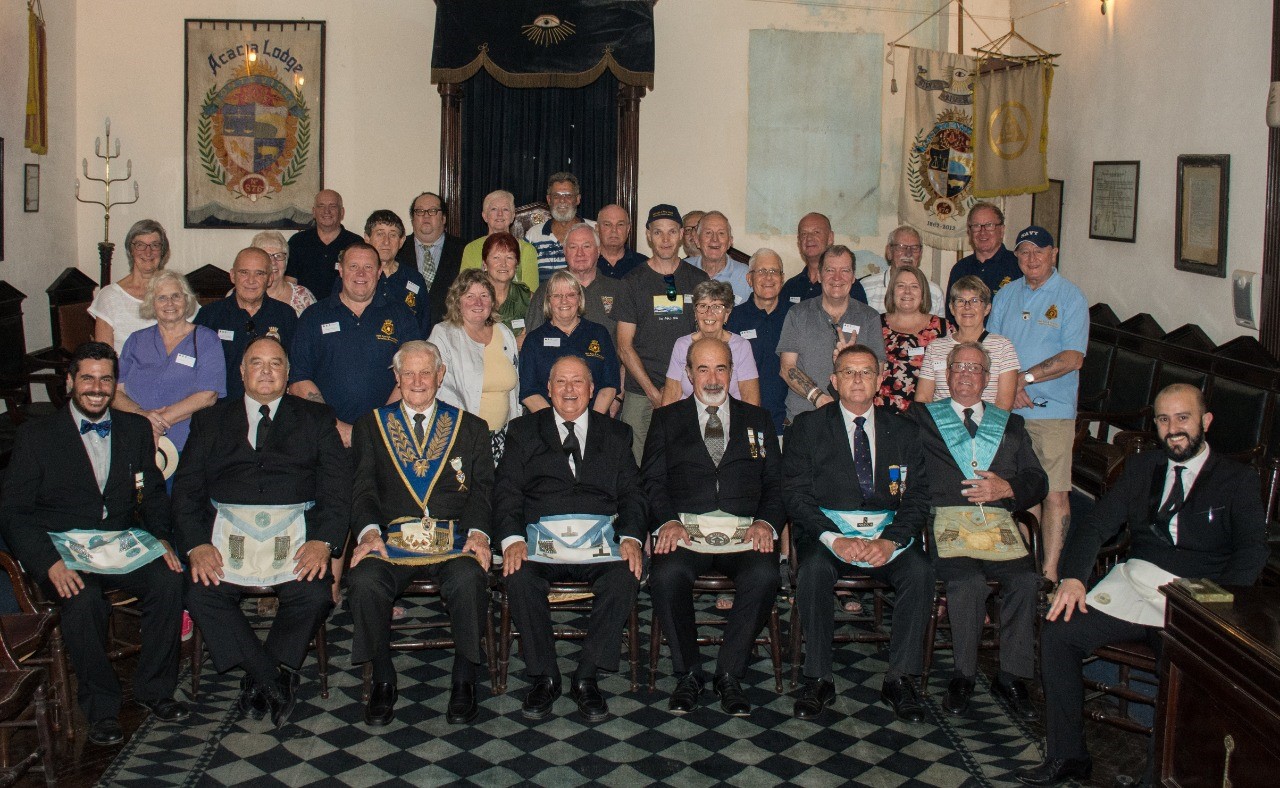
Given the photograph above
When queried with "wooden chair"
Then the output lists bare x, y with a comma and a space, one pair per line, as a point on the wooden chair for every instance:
320, 643
571, 596
529, 215
23, 702
39, 646
430, 588
716, 584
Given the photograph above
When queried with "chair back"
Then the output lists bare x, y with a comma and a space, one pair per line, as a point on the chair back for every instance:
530, 215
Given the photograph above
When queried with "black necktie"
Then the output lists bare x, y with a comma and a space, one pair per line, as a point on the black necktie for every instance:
862, 458
1175, 500
264, 426
419, 433
969, 423
573, 448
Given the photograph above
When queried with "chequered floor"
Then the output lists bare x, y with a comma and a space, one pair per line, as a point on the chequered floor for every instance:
856, 743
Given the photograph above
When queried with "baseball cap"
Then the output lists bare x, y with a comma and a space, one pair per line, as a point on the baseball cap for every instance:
663, 211
1036, 235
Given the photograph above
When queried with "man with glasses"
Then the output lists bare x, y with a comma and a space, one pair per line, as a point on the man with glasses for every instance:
982, 468
434, 253
616, 258
654, 310
903, 248
859, 509
1046, 318
813, 237
991, 262
313, 253
759, 320
563, 196
689, 239
246, 314
715, 237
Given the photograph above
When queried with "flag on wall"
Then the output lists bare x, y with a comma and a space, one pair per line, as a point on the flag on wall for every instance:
1011, 108
37, 131
937, 189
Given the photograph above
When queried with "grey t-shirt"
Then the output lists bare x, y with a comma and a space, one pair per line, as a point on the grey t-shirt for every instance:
810, 332
659, 319
602, 296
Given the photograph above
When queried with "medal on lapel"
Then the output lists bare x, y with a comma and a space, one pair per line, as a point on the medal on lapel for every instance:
751, 441
138, 484
894, 479
456, 464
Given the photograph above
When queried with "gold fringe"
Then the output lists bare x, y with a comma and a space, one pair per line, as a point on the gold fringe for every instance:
514, 80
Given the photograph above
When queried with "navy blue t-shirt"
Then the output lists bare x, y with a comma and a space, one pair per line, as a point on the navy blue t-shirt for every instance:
629, 260
407, 286
798, 288
546, 344
236, 327
763, 329
995, 273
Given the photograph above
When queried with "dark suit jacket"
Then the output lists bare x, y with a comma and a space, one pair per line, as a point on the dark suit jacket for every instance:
1015, 462
534, 478
817, 471
303, 460
50, 486
380, 496
679, 476
446, 270
1222, 529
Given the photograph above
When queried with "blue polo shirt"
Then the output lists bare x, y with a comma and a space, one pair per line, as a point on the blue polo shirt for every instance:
544, 345
236, 327
629, 260
1042, 323
763, 329
798, 288
407, 286
995, 273
349, 357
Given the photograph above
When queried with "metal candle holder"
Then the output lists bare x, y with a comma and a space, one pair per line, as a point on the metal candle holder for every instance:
106, 248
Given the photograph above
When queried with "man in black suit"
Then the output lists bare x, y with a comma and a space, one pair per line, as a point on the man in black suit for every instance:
432, 252
259, 468
852, 504
420, 511
982, 467
710, 454
90, 468
1191, 513
568, 482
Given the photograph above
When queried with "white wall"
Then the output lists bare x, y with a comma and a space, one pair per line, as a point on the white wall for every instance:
1150, 81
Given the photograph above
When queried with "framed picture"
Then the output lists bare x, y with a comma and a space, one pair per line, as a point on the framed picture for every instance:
1113, 201
1046, 209
31, 188
254, 122
1200, 243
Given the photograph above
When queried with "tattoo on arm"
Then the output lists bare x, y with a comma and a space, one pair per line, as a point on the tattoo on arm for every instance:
315, 397
799, 382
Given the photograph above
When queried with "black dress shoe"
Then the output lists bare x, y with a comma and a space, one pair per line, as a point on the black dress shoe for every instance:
733, 701
956, 700
901, 695
167, 709
382, 705
462, 703
542, 696
105, 733
685, 697
1055, 770
252, 703
813, 698
281, 696
1015, 694
586, 692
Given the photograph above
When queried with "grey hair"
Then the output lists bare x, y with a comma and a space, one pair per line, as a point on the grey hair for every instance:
751, 263
903, 228
415, 346
147, 227
564, 276
595, 234
709, 214
713, 290
148, 309
986, 357
570, 357
270, 237
688, 355
503, 193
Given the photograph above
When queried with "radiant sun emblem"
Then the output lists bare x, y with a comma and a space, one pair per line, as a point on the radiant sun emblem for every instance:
548, 29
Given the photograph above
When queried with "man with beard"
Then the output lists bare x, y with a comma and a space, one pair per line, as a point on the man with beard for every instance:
1191, 513
563, 196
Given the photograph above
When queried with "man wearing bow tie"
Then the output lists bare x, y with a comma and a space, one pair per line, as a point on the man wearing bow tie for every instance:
90, 468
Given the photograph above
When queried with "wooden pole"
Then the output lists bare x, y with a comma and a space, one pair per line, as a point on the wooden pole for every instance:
1269, 320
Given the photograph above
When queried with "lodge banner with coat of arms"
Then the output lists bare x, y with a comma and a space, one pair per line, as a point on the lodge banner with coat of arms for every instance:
937, 184
254, 122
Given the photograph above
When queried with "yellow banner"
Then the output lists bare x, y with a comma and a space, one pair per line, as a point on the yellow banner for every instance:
1011, 129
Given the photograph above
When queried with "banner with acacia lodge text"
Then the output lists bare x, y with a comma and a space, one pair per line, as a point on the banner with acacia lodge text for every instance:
254, 122
1011, 108
937, 188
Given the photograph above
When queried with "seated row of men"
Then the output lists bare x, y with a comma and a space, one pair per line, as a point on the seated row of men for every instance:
265, 493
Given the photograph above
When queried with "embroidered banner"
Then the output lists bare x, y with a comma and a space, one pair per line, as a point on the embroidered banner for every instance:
1011, 134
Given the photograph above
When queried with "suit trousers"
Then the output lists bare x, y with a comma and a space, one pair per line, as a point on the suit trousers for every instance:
84, 629
232, 641
615, 589
755, 578
1064, 645
967, 592
374, 584
912, 578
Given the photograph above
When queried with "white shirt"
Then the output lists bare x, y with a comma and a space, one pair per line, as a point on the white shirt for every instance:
829, 537
1191, 471
978, 410
252, 410
722, 410
97, 447
437, 249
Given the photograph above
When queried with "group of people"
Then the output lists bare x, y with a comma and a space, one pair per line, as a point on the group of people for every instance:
574, 411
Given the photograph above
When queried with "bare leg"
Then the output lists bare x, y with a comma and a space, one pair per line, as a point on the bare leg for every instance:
1056, 519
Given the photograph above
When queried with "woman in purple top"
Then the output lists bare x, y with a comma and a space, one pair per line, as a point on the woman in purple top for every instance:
712, 303
172, 369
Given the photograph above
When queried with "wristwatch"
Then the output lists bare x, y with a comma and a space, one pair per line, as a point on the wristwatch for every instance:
332, 552
1029, 377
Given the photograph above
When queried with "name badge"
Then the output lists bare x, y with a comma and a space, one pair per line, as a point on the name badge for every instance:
330, 328
688, 298
519, 323
794, 299
939, 365
412, 287
850, 328
750, 333
915, 351
185, 360
226, 336
551, 342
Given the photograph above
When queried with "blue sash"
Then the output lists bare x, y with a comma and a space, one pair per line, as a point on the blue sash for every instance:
420, 464
864, 525
971, 454
573, 538
106, 552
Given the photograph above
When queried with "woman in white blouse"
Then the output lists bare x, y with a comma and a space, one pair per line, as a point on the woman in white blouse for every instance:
116, 307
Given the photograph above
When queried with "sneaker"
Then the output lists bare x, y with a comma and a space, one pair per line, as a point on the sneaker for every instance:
188, 626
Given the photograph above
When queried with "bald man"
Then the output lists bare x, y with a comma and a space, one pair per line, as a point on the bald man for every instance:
313, 253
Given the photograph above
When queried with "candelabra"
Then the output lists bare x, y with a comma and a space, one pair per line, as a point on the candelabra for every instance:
105, 247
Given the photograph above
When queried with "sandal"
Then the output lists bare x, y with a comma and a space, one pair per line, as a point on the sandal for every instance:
848, 604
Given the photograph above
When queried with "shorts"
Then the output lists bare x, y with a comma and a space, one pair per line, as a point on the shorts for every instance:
1052, 440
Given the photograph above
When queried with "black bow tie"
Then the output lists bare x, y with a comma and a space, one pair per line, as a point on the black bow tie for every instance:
103, 428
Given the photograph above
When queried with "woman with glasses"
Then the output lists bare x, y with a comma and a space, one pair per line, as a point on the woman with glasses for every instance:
116, 308
498, 212
712, 303
971, 303
279, 288
567, 333
511, 305
908, 328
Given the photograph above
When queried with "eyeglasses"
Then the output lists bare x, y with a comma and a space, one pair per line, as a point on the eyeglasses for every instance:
767, 272
715, 309
1040, 402
250, 327
969, 367
865, 373
975, 301
171, 299
670, 281
420, 212
154, 246
280, 257
985, 226
913, 248
563, 195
